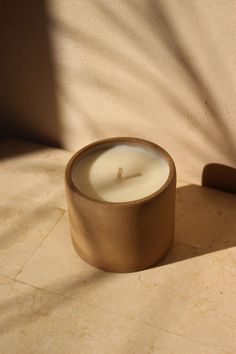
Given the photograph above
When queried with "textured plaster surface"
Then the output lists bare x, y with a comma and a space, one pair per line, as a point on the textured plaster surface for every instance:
162, 70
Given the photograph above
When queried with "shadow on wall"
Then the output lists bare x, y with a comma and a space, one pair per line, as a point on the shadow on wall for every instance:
144, 68
168, 34
134, 77
28, 104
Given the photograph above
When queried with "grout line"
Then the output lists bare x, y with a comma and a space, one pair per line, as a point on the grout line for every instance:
117, 314
187, 338
40, 243
120, 316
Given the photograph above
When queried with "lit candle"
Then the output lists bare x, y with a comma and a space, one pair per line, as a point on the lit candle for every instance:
121, 203
120, 172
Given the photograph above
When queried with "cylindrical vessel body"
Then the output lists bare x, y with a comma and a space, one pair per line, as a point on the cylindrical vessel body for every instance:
124, 236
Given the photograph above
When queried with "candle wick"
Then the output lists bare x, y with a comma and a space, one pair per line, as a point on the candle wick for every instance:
132, 176
119, 174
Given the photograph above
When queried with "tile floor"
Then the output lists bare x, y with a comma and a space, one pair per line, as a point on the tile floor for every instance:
53, 302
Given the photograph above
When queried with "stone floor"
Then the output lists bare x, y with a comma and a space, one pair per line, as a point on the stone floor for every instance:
53, 302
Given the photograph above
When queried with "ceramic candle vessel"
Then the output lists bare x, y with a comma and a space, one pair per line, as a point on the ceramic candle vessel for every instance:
122, 236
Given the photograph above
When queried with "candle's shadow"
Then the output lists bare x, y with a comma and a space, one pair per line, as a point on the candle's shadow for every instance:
205, 222
205, 217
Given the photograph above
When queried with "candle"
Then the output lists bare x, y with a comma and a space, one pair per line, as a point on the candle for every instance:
120, 172
121, 203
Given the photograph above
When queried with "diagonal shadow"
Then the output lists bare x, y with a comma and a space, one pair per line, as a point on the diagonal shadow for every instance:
205, 222
13, 147
31, 311
168, 34
95, 79
205, 219
28, 102
158, 20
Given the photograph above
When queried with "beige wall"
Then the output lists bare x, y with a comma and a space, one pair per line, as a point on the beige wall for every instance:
160, 70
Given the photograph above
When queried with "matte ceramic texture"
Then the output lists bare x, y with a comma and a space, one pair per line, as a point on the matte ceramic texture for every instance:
127, 236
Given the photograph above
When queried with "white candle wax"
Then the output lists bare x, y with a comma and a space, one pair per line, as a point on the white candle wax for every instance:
120, 172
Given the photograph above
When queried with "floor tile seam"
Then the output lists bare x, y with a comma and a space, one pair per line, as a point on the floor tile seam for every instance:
40, 243
162, 329
146, 324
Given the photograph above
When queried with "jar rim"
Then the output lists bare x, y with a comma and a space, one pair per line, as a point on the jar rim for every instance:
130, 141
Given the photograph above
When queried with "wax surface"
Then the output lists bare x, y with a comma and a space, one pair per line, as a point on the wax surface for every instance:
120, 172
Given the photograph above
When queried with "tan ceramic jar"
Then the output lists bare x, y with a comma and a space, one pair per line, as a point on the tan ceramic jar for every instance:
122, 236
